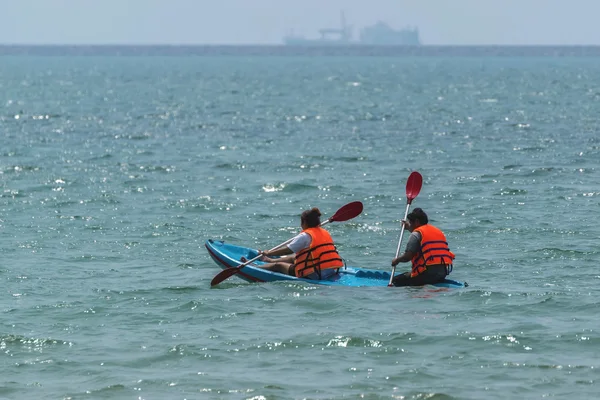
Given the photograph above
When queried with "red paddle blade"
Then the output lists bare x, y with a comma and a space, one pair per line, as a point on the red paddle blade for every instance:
413, 186
347, 212
221, 276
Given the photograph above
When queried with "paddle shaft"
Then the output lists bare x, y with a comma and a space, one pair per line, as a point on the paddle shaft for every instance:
402, 231
399, 243
413, 187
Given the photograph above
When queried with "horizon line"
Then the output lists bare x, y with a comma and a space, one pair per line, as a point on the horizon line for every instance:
281, 45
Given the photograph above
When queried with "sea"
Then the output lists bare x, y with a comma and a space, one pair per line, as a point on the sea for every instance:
117, 164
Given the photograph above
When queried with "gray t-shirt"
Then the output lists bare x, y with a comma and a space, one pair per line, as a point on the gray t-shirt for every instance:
414, 242
300, 242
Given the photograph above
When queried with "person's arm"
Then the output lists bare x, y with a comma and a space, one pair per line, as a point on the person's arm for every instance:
412, 248
286, 259
279, 252
301, 241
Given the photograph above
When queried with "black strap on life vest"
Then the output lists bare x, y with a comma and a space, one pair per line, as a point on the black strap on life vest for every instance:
317, 265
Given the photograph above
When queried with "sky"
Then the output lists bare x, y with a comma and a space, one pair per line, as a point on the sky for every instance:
440, 22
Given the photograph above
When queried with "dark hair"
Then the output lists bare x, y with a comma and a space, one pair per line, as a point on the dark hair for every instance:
311, 217
418, 215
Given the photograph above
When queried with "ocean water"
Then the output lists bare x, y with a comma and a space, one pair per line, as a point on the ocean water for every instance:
114, 171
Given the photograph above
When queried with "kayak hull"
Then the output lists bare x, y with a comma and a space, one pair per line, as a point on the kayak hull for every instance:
228, 256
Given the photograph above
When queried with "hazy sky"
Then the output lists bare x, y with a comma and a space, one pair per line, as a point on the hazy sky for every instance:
460, 22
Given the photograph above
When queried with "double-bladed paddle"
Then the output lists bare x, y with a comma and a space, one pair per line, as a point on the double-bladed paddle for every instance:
413, 187
345, 213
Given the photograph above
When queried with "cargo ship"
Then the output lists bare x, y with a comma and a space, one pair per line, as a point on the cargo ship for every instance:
380, 34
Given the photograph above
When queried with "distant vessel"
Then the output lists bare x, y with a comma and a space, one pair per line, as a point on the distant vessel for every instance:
329, 36
380, 34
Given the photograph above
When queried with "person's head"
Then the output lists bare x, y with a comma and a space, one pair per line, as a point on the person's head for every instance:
310, 218
417, 218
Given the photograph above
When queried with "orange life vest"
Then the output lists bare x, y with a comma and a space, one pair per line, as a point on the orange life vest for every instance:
434, 250
321, 254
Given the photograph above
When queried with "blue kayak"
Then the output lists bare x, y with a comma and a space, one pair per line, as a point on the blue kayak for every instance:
228, 256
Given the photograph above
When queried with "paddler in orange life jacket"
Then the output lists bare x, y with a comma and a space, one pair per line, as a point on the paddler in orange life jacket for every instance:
427, 249
311, 254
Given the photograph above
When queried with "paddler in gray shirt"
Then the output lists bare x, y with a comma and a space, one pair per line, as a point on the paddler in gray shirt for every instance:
427, 250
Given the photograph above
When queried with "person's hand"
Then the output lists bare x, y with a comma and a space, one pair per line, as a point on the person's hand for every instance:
395, 261
264, 256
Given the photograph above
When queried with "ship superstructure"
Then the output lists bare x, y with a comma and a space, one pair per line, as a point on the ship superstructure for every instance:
380, 34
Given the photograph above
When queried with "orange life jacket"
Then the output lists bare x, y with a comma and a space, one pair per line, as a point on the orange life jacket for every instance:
434, 250
321, 254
